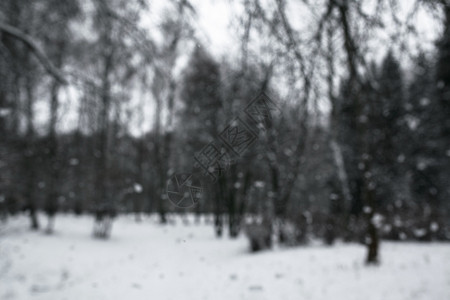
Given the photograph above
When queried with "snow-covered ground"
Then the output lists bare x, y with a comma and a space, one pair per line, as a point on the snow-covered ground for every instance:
149, 261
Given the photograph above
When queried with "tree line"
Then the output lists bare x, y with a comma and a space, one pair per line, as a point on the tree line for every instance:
376, 166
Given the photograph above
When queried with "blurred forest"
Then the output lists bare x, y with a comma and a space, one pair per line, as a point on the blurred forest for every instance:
360, 151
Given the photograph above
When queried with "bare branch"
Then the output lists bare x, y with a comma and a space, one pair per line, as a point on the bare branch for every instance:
30, 43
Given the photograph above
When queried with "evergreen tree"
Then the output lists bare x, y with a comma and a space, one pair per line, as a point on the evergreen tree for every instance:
201, 99
443, 98
200, 120
423, 129
387, 126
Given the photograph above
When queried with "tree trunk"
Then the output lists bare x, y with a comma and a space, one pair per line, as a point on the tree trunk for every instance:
52, 196
104, 207
364, 151
30, 155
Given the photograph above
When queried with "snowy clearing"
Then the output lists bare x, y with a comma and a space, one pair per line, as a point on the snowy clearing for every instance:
149, 261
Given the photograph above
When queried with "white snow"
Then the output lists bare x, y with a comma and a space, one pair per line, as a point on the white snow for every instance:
137, 188
149, 261
420, 232
5, 112
377, 220
367, 209
434, 226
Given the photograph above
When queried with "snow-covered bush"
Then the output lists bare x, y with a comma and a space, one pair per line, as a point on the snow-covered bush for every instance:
259, 235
